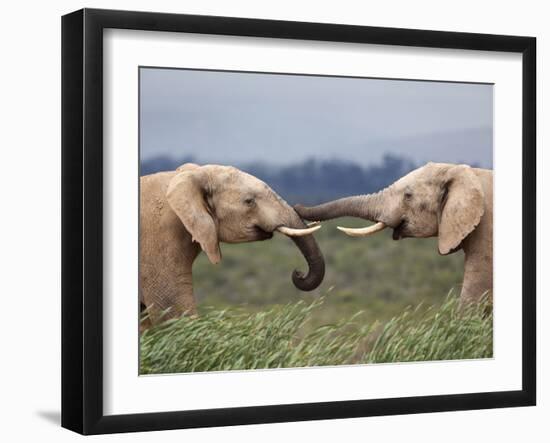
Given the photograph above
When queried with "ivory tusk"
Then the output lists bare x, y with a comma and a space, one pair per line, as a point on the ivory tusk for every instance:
313, 223
363, 232
292, 232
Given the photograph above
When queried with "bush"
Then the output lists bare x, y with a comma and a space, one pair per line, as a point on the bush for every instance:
281, 337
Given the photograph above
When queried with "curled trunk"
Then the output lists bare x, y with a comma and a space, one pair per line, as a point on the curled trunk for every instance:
316, 263
313, 256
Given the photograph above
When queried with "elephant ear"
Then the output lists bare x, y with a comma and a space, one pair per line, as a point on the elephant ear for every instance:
186, 196
461, 207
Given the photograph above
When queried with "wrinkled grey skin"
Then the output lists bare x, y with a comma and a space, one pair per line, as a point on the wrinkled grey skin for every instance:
196, 207
453, 202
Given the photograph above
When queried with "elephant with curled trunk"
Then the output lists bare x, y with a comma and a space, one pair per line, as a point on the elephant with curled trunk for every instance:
197, 207
453, 202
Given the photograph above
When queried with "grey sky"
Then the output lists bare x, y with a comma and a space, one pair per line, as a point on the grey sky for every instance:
237, 118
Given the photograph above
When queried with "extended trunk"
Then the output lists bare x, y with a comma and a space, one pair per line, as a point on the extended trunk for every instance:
363, 206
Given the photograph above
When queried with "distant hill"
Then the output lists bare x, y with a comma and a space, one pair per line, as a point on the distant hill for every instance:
311, 181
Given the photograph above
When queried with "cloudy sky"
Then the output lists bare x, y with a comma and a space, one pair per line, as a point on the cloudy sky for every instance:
237, 118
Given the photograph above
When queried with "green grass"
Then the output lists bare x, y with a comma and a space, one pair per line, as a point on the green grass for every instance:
376, 274
283, 337
381, 301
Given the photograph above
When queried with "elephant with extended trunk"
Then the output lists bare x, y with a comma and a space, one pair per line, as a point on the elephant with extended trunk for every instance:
197, 207
453, 202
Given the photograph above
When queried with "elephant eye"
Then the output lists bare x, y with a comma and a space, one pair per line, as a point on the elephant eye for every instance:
408, 195
249, 201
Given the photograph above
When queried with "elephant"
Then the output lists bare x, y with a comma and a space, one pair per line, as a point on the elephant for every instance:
195, 208
451, 201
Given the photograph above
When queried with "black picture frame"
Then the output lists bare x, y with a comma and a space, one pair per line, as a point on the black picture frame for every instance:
82, 218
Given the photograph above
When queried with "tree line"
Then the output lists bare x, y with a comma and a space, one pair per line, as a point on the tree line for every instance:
311, 181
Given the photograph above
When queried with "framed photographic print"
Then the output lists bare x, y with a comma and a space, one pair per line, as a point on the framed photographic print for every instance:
269, 221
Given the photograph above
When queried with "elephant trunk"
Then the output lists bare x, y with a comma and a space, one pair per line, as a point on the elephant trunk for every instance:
312, 254
363, 206
316, 263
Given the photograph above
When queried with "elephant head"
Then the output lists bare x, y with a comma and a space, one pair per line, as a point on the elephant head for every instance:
223, 204
443, 200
